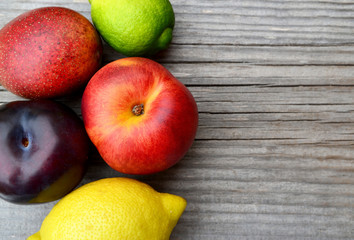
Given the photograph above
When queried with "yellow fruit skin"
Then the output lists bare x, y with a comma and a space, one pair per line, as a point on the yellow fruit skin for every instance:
110, 209
35, 236
134, 27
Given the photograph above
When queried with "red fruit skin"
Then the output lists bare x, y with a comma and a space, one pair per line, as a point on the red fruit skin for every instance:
48, 52
145, 144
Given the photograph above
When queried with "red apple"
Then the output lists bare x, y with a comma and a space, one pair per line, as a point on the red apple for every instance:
141, 119
48, 52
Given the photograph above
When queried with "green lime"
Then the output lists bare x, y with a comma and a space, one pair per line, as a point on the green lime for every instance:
134, 27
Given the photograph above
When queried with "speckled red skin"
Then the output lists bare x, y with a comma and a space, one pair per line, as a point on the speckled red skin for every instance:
48, 52
145, 144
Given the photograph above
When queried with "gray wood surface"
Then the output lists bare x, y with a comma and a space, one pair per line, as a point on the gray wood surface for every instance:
274, 153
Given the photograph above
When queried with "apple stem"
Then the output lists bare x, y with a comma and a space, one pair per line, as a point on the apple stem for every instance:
138, 109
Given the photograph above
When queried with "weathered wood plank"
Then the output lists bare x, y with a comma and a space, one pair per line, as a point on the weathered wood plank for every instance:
255, 55
242, 22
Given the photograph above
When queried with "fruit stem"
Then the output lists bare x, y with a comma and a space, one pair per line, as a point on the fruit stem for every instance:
138, 109
25, 142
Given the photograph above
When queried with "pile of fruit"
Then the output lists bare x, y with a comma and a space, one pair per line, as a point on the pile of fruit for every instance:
140, 118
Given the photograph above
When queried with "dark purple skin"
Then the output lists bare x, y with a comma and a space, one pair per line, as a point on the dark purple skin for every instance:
41, 141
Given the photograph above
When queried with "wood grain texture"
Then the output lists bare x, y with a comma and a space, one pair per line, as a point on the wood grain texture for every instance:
273, 157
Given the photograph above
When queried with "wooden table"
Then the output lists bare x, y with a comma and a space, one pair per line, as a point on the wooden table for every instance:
274, 153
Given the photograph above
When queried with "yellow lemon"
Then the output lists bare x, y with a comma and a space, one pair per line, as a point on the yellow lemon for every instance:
112, 209
134, 27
